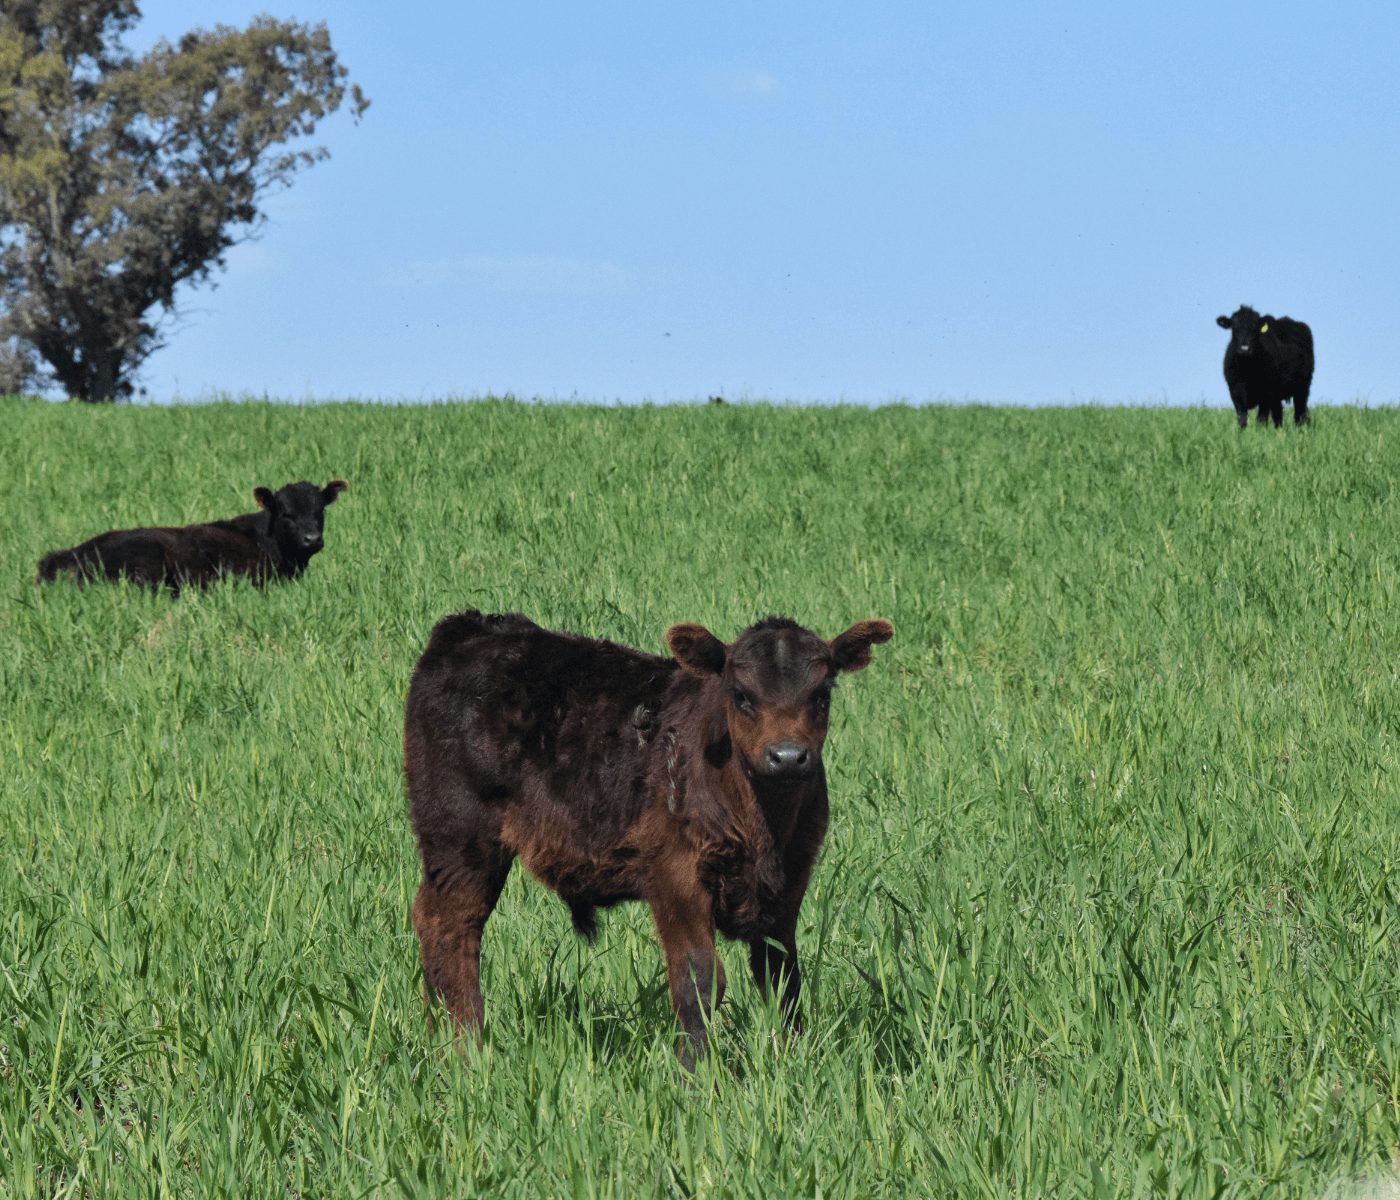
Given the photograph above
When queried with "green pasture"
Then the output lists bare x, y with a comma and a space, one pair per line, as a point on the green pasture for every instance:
1109, 904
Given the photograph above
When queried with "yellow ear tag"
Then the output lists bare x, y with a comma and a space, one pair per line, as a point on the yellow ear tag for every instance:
1264, 328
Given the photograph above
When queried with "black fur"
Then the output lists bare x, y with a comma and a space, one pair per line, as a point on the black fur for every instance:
1269, 360
275, 543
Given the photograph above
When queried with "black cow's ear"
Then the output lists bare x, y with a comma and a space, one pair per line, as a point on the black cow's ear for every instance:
331, 491
265, 499
696, 649
851, 650
1223, 322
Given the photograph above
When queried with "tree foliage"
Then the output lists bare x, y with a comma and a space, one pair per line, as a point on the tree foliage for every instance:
123, 176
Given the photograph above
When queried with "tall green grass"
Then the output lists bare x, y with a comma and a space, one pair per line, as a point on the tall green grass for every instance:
1108, 907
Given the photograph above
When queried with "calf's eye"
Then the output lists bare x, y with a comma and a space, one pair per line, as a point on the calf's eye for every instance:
742, 700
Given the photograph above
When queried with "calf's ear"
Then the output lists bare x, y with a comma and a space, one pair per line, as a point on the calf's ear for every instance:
331, 491
851, 650
265, 499
696, 649
1223, 322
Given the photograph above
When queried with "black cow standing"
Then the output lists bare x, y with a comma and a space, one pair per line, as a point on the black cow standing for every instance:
1269, 360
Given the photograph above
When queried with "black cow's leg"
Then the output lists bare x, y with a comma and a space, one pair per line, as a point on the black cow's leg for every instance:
1240, 400
1277, 413
456, 896
694, 972
1300, 405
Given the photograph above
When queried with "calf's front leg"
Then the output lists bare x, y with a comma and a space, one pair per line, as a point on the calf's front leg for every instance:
685, 924
773, 961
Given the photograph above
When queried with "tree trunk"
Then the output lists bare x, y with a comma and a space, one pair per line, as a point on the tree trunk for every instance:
102, 374
85, 367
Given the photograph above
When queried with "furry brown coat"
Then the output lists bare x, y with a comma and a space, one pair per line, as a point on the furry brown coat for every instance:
694, 783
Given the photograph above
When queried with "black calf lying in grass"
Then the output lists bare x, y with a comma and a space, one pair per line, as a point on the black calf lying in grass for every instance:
276, 543
694, 783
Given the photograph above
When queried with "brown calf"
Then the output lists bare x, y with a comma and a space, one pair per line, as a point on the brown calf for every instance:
694, 783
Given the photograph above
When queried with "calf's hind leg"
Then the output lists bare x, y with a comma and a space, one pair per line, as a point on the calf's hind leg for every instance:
456, 896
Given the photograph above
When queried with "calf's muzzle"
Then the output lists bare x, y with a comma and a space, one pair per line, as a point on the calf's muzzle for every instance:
788, 760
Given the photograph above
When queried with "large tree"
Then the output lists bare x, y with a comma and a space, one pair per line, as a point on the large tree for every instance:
124, 176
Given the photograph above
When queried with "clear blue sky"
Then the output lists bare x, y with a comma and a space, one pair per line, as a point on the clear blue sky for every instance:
870, 202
